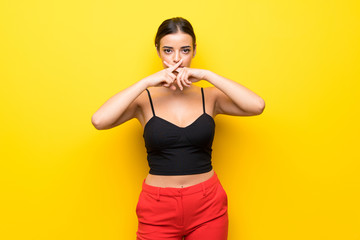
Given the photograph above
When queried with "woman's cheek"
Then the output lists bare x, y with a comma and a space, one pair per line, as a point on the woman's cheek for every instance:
187, 61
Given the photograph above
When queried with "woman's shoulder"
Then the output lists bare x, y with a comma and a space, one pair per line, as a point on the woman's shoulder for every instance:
211, 92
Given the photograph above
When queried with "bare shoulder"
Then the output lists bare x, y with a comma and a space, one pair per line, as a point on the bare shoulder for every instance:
210, 95
211, 92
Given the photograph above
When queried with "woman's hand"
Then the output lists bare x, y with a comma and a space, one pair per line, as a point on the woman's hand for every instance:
186, 76
165, 77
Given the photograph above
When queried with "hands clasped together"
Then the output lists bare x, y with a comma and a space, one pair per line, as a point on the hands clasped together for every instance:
182, 76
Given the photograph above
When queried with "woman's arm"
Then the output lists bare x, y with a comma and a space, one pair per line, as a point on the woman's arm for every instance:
232, 98
125, 105
119, 108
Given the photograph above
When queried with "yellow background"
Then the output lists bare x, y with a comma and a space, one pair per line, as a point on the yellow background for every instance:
290, 173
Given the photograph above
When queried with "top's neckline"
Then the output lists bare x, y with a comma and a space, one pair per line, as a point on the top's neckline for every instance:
154, 116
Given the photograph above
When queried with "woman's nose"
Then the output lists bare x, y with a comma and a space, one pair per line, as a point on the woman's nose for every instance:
177, 57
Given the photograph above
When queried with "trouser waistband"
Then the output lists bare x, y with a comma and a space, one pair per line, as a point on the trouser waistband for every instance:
171, 191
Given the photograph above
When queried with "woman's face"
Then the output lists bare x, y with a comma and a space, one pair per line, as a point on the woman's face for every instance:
176, 46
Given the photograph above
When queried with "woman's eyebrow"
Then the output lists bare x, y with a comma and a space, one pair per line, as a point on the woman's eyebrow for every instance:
181, 47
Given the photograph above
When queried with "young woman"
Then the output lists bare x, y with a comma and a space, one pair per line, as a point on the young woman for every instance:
181, 196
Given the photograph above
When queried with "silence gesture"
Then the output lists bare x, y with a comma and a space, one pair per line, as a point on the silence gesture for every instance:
186, 76
165, 77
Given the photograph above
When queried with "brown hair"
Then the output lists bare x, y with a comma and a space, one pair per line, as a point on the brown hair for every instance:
174, 25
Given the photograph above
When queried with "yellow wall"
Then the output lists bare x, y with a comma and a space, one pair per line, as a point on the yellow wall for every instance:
290, 173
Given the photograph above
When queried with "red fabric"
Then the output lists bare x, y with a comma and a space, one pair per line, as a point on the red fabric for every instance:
195, 213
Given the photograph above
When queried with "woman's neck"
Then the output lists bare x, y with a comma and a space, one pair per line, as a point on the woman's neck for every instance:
178, 91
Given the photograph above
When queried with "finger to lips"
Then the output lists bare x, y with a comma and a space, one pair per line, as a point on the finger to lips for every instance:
178, 70
176, 66
173, 67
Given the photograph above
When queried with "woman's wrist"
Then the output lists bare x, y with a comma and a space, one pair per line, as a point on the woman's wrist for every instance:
146, 82
207, 75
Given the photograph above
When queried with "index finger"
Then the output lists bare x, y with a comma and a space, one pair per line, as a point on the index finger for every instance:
176, 70
173, 67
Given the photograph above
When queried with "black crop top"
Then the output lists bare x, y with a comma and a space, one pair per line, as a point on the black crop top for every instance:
174, 150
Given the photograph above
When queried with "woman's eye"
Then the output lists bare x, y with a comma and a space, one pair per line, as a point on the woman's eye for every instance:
169, 50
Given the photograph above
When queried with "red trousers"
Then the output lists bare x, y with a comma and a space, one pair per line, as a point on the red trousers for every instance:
198, 212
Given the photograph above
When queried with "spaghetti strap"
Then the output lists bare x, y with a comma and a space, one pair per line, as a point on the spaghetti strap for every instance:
202, 93
152, 107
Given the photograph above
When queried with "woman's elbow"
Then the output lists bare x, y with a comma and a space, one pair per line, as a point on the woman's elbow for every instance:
96, 122
260, 107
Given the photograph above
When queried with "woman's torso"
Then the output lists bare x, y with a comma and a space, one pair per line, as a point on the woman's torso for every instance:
180, 109
177, 181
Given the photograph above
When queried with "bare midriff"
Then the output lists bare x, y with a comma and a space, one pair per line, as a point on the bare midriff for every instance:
180, 181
